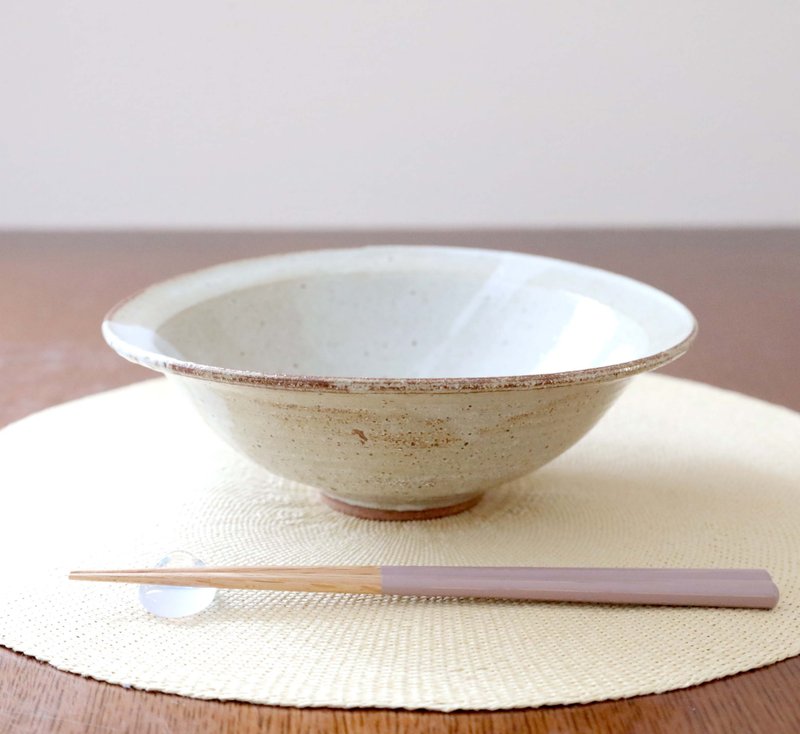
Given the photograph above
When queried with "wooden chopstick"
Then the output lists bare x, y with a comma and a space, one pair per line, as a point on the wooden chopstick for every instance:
747, 588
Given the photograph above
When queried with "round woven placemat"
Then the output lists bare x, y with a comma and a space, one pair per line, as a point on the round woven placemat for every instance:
678, 474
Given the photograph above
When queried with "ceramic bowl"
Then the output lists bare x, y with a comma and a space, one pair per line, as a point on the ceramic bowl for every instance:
402, 381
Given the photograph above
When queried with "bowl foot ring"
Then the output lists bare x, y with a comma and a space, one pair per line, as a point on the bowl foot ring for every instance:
376, 513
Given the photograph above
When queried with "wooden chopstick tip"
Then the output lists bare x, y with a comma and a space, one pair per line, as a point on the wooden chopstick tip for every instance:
82, 576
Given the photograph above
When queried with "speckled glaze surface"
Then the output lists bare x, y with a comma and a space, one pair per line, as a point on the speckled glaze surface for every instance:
402, 452
403, 382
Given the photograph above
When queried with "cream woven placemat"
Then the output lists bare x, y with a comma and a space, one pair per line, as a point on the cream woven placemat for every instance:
678, 474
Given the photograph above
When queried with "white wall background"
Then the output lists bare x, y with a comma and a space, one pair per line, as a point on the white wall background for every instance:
193, 113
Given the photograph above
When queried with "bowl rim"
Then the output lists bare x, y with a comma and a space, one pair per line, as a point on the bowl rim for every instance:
173, 365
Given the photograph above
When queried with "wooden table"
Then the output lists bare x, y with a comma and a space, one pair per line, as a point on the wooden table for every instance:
744, 287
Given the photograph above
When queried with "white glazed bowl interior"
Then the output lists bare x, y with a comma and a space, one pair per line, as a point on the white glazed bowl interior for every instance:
401, 313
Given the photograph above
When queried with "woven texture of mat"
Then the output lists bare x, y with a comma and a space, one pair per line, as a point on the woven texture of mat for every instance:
677, 474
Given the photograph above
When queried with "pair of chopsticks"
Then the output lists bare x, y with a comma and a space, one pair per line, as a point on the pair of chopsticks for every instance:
748, 588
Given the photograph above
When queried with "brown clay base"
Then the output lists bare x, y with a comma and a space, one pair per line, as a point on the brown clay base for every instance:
372, 513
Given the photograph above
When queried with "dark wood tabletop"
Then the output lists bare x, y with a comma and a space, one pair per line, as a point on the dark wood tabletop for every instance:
743, 286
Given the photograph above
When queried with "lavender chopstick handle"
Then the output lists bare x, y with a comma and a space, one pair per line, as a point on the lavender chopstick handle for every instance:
751, 588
